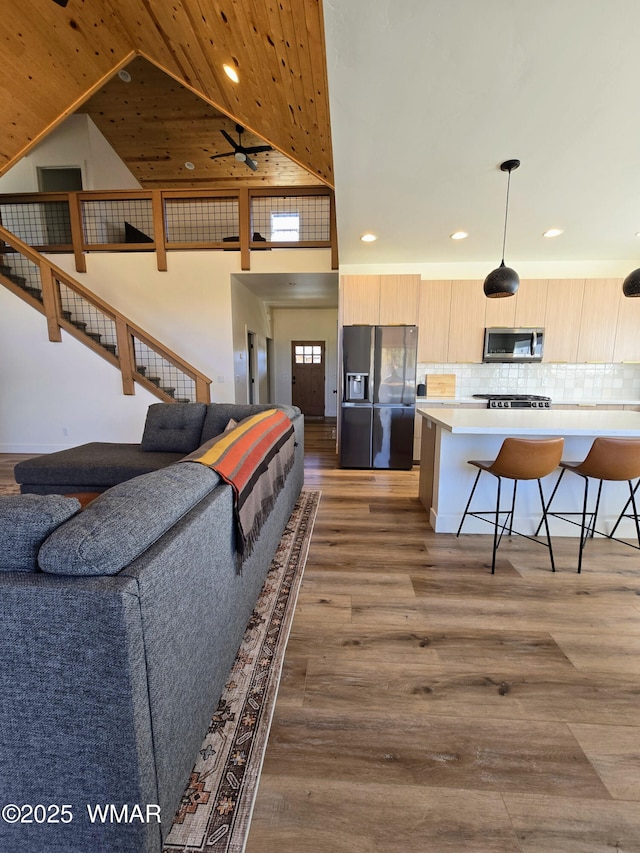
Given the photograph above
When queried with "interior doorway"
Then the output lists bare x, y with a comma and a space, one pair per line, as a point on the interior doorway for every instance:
251, 367
308, 376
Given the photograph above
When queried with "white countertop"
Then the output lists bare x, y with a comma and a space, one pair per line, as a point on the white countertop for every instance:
456, 401
533, 421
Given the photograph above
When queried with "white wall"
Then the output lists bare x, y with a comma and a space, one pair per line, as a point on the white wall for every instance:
318, 324
249, 314
76, 142
56, 395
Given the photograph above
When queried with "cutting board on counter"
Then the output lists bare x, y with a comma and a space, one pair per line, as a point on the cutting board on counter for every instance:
440, 384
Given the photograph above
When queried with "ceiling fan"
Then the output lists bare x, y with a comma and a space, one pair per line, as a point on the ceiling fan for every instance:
241, 153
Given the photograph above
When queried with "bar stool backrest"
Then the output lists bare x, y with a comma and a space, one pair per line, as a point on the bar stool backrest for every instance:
527, 458
612, 459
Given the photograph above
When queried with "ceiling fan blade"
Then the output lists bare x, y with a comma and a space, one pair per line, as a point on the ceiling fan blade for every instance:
256, 149
231, 141
226, 154
251, 164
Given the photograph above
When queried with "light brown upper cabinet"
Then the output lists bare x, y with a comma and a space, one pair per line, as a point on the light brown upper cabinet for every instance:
399, 300
500, 311
599, 319
433, 321
360, 297
627, 345
562, 319
531, 303
467, 321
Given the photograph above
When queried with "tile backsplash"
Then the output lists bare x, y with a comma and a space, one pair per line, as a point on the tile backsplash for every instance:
561, 382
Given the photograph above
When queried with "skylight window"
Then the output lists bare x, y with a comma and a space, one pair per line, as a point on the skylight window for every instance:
285, 227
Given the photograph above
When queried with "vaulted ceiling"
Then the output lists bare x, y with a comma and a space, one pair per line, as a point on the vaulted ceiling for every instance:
156, 125
54, 59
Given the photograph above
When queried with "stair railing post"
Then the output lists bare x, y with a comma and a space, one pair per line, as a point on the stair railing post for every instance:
244, 209
125, 356
77, 232
203, 392
51, 302
159, 229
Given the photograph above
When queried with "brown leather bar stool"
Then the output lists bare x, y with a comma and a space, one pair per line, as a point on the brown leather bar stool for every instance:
518, 459
608, 459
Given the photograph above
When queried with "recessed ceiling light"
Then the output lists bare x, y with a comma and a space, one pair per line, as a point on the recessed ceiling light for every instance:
231, 73
368, 238
553, 232
124, 76
637, 233
189, 165
458, 235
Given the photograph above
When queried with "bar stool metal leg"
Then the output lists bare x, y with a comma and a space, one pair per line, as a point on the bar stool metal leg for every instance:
583, 535
466, 509
545, 520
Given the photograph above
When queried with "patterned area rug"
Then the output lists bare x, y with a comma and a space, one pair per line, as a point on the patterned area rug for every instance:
216, 807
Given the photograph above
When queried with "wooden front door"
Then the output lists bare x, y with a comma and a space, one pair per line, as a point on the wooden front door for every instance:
307, 376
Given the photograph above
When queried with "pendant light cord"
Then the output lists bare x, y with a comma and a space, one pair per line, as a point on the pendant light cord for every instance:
506, 216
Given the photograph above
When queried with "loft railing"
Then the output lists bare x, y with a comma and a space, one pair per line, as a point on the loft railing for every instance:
69, 305
244, 220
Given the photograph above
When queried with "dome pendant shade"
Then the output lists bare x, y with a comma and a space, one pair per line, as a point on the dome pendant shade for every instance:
502, 281
631, 284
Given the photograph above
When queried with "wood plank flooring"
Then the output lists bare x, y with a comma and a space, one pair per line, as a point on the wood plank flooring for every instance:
428, 707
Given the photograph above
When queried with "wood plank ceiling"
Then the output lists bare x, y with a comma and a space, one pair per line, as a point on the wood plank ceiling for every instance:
54, 59
156, 125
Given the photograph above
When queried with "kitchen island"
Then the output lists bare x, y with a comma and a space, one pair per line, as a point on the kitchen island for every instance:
452, 436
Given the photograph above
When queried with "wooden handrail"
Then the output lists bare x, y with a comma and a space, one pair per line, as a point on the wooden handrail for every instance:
51, 276
160, 244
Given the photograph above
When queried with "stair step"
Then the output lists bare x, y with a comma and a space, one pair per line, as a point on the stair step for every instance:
79, 325
155, 379
66, 314
20, 280
141, 368
95, 336
170, 391
183, 400
110, 348
33, 291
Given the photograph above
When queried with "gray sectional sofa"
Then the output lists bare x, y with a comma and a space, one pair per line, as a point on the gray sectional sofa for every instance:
118, 627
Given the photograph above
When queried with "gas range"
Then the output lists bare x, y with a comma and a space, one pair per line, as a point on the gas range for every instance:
515, 401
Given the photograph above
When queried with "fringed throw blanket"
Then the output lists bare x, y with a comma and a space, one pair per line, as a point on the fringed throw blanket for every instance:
254, 458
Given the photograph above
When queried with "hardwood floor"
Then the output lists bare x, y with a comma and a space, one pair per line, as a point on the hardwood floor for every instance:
428, 707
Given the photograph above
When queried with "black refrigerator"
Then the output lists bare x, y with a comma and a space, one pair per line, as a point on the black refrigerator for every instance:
378, 396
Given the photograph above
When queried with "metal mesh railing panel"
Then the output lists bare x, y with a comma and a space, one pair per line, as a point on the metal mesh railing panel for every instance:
117, 221
206, 220
163, 373
45, 223
88, 318
22, 272
279, 218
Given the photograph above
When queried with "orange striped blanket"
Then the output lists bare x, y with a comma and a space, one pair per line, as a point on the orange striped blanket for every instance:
254, 458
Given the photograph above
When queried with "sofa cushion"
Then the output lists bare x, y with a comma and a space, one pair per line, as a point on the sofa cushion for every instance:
219, 415
173, 427
25, 522
101, 464
124, 521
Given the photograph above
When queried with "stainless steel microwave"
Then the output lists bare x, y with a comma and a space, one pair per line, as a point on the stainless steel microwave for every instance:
503, 344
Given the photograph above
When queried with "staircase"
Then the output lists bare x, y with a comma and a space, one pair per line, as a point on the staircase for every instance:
69, 305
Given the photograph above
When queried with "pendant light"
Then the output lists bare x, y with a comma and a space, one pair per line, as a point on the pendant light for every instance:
631, 284
503, 281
